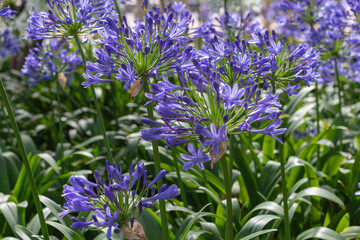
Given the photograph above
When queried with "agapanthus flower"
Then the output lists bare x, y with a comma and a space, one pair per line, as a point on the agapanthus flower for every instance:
146, 50
202, 111
45, 62
9, 44
196, 157
115, 201
68, 18
6, 12
318, 21
229, 25
264, 60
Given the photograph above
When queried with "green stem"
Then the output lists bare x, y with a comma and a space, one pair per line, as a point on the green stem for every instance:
340, 102
231, 156
117, 8
155, 147
60, 122
229, 217
285, 197
180, 183
113, 93
317, 94
26, 162
97, 105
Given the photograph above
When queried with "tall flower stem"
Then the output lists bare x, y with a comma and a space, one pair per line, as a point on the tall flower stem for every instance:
155, 147
317, 95
26, 162
60, 122
284, 191
231, 156
97, 105
340, 102
117, 9
229, 217
180, 182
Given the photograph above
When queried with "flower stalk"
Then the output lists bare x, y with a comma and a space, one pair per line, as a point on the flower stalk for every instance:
26, 162
60, 122
97, 105
229, 217
155, 147
340, 102
284, 190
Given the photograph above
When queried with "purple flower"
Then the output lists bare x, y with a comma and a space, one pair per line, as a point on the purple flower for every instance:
126, 74
272, 130
68, 18
215, 136
6, 12
113, 202
197, 157
144, 51
9, 45
45, 62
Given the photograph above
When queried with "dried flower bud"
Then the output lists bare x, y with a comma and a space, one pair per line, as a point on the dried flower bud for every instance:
135, 89
62, 79
135, 233
221, 152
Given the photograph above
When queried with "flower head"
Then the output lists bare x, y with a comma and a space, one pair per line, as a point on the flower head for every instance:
9, 44
146, 50
68, 18
113, 202
6, 12
43, 63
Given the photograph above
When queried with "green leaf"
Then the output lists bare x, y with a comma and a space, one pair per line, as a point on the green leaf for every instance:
54, 208
25, 234
194, 234
268, 148
68, 232
351, 232
255, 225
10, 212
344, 223
319, 192
51, 161
320, 232
211, 228
150, 225
254, 235
189, 222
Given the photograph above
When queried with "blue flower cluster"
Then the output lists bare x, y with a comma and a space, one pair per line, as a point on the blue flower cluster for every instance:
263, 60
330, 25
115, 201
9, 44
6, 12
148, 49
44, 63
68, 18
230, 25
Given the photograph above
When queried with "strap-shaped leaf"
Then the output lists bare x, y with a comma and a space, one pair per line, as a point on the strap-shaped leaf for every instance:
320, 232
255, 225
319, 192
